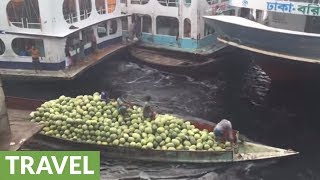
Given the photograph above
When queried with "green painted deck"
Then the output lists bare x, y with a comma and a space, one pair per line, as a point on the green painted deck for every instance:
66, 74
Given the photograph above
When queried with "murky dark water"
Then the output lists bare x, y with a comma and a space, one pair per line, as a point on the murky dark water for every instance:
282, 115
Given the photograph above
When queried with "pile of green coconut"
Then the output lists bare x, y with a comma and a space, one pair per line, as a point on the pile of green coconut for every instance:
88, 119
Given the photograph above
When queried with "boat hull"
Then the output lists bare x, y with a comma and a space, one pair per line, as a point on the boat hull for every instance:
184, 63
283, 55
117, 152
280, 69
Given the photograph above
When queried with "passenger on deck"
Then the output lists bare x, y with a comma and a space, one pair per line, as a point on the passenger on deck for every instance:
81, 50
68, 59
35, 54
148, 112
223, 131
94, 45
133, 30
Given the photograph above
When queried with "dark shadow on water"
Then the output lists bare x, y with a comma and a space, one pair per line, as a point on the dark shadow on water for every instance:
279, 114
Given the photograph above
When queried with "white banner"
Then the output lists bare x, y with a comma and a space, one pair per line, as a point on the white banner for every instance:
290, 7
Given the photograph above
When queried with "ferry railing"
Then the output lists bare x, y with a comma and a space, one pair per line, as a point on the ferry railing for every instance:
33, 25
17, 23
71, 17
84, 14
102, 11
139, 1
135, 2
171, 3
30, 23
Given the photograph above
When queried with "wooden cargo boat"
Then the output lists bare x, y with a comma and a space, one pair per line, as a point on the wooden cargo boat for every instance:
245, 151
178, 62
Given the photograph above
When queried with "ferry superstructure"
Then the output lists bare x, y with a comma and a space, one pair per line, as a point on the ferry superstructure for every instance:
50, 25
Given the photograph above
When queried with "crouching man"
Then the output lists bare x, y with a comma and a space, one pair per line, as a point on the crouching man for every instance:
223, 131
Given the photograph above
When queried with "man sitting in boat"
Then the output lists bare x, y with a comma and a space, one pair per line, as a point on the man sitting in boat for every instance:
223, 131
105, 96
148, 112
122, 106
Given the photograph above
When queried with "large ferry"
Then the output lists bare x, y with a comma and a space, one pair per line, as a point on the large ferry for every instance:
176, 24
54, 27
282, 36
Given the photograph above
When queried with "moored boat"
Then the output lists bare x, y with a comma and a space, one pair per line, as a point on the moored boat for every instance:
244, 151
177, 62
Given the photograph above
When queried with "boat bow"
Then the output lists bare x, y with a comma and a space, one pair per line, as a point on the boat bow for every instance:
256, 37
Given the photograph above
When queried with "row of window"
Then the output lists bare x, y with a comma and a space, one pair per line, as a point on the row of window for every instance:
26, 14
173, 3
22, 46
164, 25
70, 11
107, 28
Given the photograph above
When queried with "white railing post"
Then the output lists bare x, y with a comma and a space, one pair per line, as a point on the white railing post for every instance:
22, 23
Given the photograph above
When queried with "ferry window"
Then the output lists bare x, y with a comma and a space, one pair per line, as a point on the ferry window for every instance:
187, 28
111, 5
85, 9
70, 11
167, 26
101, 6
124, 21
113, 26
139, 1
230, 12
102, 29
123, 1
86, 35
172, 3
187, 2
2, 47
146, 24
73, 40
208, 30
24, 13
22, 46
212, 1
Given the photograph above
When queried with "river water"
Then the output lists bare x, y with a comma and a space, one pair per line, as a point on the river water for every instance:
283, 114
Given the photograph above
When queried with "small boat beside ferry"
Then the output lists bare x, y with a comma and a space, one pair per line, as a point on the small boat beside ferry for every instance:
282, 36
